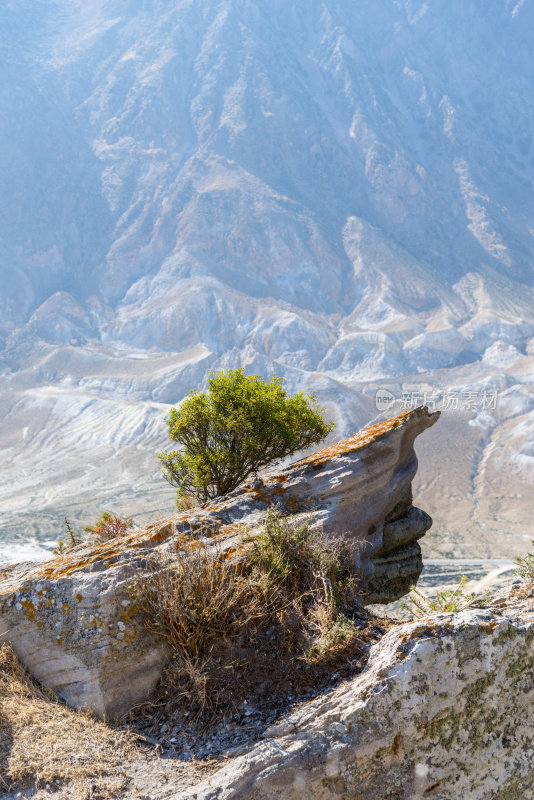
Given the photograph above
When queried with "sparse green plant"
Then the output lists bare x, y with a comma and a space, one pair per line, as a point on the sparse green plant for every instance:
446, 601
294, 557
72, 540
525, 570
60, 548
239, 426
108, 527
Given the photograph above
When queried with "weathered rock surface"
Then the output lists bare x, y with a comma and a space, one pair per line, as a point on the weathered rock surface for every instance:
444, 709
71, 622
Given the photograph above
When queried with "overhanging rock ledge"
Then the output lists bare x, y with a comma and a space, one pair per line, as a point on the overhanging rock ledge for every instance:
71, 622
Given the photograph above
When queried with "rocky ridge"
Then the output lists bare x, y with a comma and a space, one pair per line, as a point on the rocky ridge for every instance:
71, 620
443, 709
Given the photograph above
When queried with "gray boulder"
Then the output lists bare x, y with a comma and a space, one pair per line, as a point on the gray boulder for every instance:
444, 709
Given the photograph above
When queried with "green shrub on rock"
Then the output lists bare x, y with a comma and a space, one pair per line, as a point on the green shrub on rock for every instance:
239, 426
446, 601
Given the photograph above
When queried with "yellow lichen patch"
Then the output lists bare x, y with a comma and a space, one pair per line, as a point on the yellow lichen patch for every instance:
361, 439
129, 636
29, 608
65, 608
129, 613
194, 544
230, 529
241, 550
488, 627
161, 535
182, 540
79, 598
280, 490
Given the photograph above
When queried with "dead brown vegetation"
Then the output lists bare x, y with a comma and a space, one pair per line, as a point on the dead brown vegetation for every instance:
44, 742
279, 619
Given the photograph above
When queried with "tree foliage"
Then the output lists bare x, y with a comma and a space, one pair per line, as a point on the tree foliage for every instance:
241, 424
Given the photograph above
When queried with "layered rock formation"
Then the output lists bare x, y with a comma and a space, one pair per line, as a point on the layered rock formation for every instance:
444, 709
71, 621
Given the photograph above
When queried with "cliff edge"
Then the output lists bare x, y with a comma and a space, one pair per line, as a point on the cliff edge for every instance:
72, 623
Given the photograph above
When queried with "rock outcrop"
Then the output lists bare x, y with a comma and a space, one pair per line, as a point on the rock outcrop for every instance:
72, 624
444, 709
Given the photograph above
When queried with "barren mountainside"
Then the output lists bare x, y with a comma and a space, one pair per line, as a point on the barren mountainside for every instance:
338, 192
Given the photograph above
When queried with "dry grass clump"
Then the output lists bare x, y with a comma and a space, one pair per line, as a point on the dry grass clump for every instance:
44, 742
271, 621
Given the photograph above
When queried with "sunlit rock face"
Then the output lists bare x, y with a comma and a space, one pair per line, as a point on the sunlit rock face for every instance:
337, 192
443, 707
71, 620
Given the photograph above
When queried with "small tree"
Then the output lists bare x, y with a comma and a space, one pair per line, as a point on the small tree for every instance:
239, 426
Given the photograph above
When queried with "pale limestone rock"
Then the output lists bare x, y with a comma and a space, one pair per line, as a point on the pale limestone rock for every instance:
69, 621
444, 709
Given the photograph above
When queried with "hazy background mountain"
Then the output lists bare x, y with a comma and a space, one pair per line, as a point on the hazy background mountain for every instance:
338, 192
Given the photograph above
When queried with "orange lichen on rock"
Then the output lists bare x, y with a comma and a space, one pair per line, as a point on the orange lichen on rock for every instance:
212, 520
361, 439
488, 627
29, 608
230, 529
64, 566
